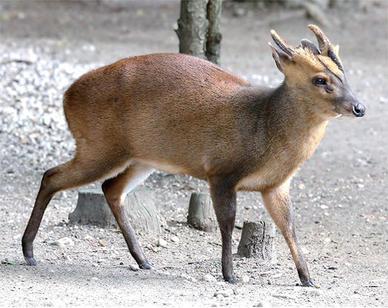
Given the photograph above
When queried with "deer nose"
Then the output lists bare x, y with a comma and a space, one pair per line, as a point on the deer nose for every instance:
358, 110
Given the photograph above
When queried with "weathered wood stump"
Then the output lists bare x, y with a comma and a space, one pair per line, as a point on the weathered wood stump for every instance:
201, 214
257, 240
139, 206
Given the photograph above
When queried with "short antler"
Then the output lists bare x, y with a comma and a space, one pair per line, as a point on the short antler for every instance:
326, 48
323, 40
281, 43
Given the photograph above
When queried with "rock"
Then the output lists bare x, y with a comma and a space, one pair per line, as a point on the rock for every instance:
63, 242
209, 278
257, 240
201, 214
162, 243
139, 206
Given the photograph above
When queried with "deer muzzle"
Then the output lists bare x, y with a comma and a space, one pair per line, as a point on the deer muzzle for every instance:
358, 110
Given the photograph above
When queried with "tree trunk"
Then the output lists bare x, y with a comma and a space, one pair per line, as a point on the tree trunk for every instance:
192, 28
213, 44
199, 29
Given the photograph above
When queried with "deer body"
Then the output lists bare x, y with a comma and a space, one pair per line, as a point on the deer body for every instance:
184, 115
217, 123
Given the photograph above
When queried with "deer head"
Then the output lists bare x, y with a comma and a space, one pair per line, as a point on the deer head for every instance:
316, 73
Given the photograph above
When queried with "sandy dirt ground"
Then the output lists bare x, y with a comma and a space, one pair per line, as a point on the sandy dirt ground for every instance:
340, 195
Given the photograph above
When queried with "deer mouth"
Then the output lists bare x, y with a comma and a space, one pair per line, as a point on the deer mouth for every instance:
350, 109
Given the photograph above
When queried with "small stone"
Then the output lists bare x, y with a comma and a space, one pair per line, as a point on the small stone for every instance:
209, 278
162, 243
188, 277
133, 268
245, 279
174, 239
63, 242
224, 293
88, 238
102, 242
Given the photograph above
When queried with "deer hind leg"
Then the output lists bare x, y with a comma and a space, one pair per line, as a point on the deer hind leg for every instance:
115, 190
77, 172
278, 204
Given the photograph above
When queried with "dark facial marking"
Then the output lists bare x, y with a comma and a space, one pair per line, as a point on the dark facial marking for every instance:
338, 77
332, 56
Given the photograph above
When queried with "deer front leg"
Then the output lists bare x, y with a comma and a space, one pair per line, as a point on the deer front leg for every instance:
224, 203
278, 204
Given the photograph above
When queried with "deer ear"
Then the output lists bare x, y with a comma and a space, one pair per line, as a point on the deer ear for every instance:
280, 57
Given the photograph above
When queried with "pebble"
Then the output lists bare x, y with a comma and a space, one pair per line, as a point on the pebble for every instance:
89, 238
245, 279
63, 242
224, 293
102, 242
209, 278
133, 268
162, 243
174, 239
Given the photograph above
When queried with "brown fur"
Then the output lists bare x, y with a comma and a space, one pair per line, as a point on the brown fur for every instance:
184, 115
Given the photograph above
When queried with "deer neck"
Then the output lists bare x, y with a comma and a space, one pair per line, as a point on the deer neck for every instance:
292, 125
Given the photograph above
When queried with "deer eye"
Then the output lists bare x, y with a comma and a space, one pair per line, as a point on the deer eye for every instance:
319, 81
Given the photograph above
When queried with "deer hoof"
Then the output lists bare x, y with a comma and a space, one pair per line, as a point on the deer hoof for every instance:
231, 279
145, 265
30, 261
310, 283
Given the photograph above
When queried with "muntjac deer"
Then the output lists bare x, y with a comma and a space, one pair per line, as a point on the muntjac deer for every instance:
181, 114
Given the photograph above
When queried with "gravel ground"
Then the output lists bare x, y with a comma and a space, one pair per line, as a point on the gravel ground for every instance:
339, 195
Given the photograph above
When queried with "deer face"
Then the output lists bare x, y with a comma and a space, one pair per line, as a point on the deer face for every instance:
316, 76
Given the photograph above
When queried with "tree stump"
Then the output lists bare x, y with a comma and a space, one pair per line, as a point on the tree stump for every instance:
139, 206
257, 240
201, 214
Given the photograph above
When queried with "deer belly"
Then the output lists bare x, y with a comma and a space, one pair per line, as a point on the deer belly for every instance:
267, 177
252, 182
